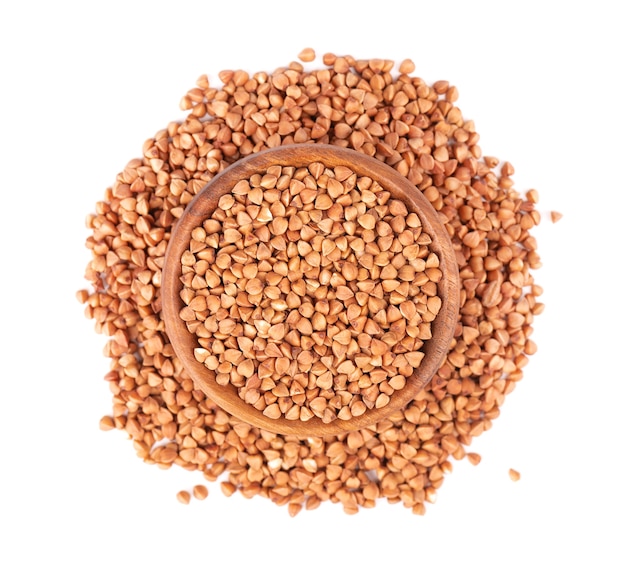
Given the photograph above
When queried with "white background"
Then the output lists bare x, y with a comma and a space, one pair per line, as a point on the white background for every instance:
84, 84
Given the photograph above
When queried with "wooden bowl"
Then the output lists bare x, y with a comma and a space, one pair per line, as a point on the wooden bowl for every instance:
203, 205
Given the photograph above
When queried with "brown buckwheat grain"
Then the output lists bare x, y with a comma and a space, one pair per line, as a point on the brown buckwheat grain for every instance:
416, 128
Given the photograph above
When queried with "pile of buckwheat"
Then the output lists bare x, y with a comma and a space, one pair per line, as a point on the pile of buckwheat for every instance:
312, 291
417, 129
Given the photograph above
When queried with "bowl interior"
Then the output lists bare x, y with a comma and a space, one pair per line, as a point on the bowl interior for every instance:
205, 203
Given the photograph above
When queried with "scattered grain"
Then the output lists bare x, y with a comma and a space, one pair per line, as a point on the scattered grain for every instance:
474, 458
200, 491
107, 423
307, 55
407, 66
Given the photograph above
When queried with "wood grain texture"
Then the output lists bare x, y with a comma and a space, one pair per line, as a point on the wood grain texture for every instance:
203, 205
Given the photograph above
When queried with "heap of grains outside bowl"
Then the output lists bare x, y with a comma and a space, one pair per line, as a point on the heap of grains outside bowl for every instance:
312, 291
416, 128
